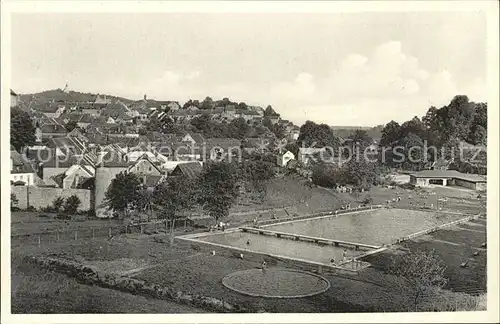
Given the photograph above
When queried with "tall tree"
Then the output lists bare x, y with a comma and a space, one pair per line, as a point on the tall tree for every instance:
413, 150
478, 133
22, 130
238, 128
414, 126
278, 130
257, 169
173, 196
317, 135
71, 204
270, 112
123, 192
360, 173
418, 274
390, 134
218, 188
361, 136
207, 103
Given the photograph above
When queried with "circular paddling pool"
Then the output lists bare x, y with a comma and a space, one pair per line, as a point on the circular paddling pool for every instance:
276, 283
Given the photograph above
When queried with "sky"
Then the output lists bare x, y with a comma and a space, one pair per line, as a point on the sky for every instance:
356, 69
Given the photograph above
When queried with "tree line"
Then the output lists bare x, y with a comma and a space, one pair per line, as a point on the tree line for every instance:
237, 128
215, 190
445, 128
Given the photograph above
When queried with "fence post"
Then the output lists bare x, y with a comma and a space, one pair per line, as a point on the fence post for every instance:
185, 224
39, 240
57, 235
166, 225
142, 229
76, 235
109, 232
93, 234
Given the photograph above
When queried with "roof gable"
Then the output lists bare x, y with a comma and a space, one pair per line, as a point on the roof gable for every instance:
190, 169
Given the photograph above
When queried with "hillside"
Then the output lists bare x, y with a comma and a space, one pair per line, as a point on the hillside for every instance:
293, 192
70, 96
345, 131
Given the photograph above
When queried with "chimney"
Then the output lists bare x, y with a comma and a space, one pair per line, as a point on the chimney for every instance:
145, 97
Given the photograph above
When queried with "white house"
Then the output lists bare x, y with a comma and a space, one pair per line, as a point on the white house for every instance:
20, 169
284, 158
14, 98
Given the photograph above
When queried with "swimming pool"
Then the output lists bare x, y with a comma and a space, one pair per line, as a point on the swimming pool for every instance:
272, 245
374, 227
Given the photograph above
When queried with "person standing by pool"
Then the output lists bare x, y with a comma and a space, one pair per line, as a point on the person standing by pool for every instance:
344, 254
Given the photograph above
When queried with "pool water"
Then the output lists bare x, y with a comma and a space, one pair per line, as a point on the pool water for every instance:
265, 244
375, 227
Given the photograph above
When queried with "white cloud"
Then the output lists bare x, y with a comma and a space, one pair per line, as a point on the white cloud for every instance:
301, 90
193, 75
477, 90
389, 84
353, 61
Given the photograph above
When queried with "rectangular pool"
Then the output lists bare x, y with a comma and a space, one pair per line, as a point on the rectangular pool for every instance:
375, 227
271, 245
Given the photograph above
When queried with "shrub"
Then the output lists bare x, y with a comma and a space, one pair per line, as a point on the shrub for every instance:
71, 204
367, 200
57, 204
14, 202
48, 209
407, 186
31, 209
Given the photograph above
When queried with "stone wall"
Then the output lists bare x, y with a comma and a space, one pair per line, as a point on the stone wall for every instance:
40, 197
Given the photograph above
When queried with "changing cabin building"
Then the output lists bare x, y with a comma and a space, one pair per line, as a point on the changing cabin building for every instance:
428, 178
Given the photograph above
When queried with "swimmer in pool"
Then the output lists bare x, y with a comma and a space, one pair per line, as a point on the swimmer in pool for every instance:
248, 242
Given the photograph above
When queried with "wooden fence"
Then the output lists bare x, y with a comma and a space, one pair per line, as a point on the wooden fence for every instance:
79, 233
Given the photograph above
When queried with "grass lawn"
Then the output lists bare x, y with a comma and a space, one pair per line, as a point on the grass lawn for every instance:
193, 269
469, 279
37, 291
32, 222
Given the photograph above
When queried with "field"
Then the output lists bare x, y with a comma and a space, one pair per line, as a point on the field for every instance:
455, 246
192, 268
37, 291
